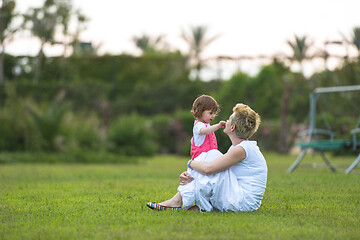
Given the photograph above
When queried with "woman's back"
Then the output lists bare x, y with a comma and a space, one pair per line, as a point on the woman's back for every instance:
251, 174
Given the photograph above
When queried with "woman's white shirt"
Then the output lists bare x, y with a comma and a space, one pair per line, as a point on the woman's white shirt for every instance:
251, 174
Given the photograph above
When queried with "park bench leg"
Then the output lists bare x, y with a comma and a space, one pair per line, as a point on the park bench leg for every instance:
328, 162
298, 160
353, 165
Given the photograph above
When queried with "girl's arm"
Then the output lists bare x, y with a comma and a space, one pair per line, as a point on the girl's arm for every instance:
213, 128
222, 163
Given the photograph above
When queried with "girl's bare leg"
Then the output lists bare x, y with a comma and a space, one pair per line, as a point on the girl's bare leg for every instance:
175, 201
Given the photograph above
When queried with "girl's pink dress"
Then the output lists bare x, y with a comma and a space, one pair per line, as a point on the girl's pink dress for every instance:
208, 144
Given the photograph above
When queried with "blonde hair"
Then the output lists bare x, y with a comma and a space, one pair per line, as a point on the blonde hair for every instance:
246, 121
204, 103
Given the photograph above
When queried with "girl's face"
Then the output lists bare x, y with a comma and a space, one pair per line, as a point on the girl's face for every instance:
207, 116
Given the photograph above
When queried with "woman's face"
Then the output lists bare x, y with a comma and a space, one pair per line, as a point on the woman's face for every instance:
227, 128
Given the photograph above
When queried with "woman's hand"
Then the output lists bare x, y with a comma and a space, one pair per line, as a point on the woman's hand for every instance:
185, 178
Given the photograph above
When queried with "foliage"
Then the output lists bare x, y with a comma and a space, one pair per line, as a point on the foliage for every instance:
150, 45
101, 89
132, 135
42, 23
300, 50
267, 103
17, 131
197, 40
49, 123
173, 132
253, 91
299, 99
83, 132
233, 91
354, 40
97, 201
7, 15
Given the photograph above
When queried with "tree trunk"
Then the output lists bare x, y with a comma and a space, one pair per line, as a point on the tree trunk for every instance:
198, 69
38, 65
62, 63
2, 76
282, 144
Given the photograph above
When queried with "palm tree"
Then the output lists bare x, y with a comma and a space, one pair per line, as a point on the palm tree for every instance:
42, 22
354, 42
148, 44
355, 39
6, 16
197, 41
300, 49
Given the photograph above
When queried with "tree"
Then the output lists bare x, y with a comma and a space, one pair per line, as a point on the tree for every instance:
300, 49
355, 39
42, 23
6, 31
64, 16
148, 44
197, 40
350, 67
82, 48
64, 13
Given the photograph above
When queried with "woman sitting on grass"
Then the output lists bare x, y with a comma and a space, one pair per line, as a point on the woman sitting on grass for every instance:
234, 181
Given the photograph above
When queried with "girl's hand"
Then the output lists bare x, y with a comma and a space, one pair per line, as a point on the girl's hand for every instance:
185, 178
222, 124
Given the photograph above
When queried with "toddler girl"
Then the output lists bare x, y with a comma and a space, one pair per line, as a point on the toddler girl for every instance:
204, 110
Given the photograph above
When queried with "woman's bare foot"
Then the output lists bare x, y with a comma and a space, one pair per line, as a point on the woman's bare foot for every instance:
175, 201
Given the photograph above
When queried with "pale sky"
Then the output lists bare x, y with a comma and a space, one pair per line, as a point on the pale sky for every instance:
256, 27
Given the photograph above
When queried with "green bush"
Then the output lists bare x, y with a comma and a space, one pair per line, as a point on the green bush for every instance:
48, 123
173, 132
165, 133
267, 135
132, 135
17, 131
83, 132
184, 134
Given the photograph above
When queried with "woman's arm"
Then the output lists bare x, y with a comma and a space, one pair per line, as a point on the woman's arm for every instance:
222, 163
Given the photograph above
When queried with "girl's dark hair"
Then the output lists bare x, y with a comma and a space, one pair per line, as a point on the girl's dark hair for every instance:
203, 103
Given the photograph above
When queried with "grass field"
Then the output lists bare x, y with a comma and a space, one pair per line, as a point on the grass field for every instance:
94, 201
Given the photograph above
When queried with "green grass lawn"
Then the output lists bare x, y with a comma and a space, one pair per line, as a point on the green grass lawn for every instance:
94, 201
